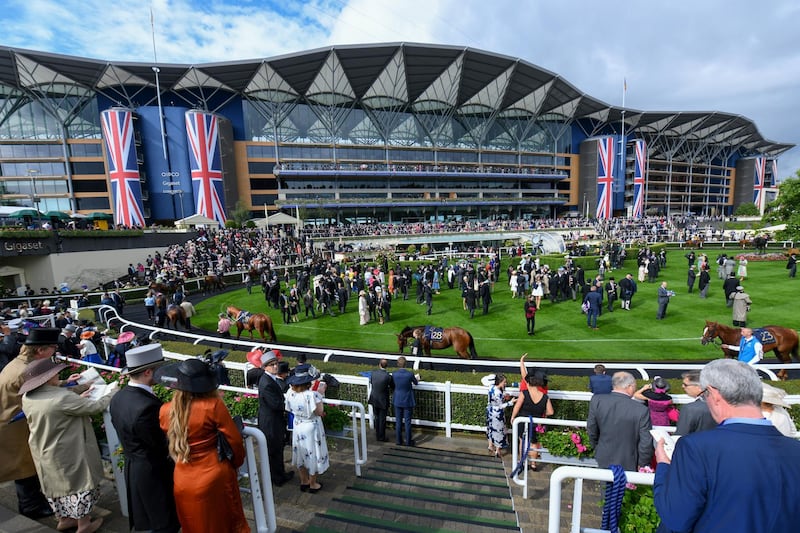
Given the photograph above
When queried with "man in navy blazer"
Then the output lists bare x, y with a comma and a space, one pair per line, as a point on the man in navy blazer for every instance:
743, 475
403, 401
600, 382
619, 426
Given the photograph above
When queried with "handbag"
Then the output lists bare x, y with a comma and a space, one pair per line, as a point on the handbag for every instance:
224, 448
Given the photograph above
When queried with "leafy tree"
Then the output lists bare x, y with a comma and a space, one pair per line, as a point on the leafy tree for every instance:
240, 214
746, 210
786, 209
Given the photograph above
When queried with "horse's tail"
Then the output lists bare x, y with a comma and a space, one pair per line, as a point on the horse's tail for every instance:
271, 328
473, 354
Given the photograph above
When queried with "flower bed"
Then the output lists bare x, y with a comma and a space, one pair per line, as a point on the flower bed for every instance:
567, 442
772, 256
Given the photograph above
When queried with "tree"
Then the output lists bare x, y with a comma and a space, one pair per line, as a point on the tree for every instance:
786, 209
746, 210
240, 214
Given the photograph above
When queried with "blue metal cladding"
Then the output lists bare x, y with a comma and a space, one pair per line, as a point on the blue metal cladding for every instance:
169, 183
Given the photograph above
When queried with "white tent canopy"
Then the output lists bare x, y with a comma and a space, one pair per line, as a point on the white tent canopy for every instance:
196, 220
276, 220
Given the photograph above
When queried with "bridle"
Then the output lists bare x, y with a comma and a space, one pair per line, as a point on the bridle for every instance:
710, 335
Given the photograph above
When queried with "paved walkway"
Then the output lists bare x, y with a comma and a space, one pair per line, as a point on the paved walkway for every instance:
295, 509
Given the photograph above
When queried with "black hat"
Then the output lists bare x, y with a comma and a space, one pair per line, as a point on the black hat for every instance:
42, 336
191, 375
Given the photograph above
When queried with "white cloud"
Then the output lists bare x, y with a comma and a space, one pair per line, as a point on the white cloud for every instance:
735, 56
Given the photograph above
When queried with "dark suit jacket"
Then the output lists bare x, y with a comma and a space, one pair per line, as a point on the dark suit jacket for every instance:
695, 417
619, 430
381, 382
271, 417
403, 388
148, 467
600, 383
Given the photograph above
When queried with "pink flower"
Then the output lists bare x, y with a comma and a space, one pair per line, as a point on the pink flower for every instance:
539, 428
237, 399
575, 438
581, 448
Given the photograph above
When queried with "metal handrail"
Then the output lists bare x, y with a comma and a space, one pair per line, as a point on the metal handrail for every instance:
579, 474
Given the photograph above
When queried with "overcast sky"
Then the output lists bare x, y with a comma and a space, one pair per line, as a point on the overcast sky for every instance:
735, 56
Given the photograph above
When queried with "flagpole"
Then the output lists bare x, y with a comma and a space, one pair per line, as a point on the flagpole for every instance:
156, 70
622, 134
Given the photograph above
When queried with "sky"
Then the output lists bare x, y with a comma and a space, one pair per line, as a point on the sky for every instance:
735, 56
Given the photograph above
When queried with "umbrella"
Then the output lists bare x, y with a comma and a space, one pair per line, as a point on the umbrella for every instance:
100, 216
57, 214
77, 215
22, 213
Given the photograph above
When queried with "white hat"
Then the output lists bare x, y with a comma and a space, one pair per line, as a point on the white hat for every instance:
15, 324
774, 395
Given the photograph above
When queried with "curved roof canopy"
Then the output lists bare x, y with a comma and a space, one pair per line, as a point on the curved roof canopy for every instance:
441, 81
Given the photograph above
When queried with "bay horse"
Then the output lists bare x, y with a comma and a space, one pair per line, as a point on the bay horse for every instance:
784, 343
460, 339
212, 282
175, 315
259, 322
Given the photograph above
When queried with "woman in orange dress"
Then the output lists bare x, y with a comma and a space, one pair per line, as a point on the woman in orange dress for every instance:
206, 489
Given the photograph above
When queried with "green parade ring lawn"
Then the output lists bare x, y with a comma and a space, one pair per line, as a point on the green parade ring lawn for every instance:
561, 330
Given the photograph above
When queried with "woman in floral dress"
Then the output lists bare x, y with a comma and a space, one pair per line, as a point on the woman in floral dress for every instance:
495, 415
309, 449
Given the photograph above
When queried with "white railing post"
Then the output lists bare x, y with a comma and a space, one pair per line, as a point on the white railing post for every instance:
260, 480
448, 409
359, 431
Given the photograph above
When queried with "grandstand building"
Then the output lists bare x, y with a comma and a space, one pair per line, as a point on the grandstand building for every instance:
387, 132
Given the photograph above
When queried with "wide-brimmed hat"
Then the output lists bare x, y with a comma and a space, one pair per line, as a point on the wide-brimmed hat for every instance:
254, 357
125, 336
143, 357
38, 373
660, 384
42, 336
87, 334
303, 374
191, 375
774, 395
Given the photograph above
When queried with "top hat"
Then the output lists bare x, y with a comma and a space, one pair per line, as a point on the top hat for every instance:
268, 357
42, 336
71, 328
143, 357
191, 375
303, 374
38, 373
14, 325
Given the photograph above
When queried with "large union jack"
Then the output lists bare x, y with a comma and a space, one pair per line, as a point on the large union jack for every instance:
774, 172
206, 163
638, 178
605, 177
758, 185
123, 168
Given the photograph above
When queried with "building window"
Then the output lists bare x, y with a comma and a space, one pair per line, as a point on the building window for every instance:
92, 204
260, 167
258, 183
89, 186
86, 150
88, 167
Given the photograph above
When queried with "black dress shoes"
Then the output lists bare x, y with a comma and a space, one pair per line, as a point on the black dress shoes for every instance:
43, 511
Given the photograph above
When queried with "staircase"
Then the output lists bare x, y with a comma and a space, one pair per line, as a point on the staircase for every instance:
423, 489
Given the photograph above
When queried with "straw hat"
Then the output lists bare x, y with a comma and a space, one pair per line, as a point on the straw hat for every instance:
38, 373
774, 395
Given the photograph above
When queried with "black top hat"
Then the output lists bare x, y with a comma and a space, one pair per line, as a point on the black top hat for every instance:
42, 336
191, 375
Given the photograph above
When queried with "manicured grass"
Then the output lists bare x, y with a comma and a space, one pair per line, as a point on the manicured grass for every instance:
561, 331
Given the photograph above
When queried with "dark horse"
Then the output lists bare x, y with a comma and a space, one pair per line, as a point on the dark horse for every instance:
175, 315
784, 345
167, 288
460, 339
213, 283
256, 322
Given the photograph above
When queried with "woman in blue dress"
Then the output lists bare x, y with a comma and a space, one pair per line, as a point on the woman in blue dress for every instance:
435, 284
496, 416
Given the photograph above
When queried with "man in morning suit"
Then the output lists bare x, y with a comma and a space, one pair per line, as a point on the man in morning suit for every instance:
403, 401
381, 384
148, 467
619, 426
695, 416
743, 475
272, 417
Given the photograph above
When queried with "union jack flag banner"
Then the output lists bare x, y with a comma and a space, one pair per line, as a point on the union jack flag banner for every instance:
205, 161
605, 177
123, 169
638, 178
758, 186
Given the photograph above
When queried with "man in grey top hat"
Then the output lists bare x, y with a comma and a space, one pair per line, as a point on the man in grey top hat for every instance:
148, 467
67, 342
272, 417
